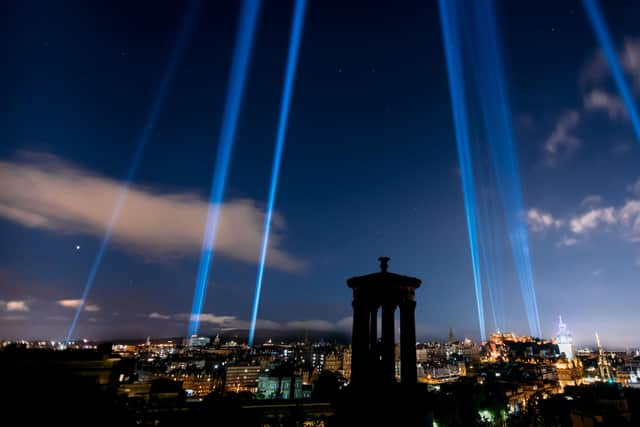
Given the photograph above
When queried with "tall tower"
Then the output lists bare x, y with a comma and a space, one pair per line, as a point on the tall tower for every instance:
565, 340
374, 397
603, 363
373, 361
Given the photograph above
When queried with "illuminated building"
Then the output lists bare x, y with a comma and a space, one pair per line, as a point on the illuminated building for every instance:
277, 384
318, 361
565, 340
603, 363
333, 362
421, 355
242, 378
570, 372
199, 385
196, 341
510, 347
438, 375
346, 363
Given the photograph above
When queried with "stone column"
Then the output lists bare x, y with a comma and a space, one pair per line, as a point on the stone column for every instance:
373, 329
388, 367
359, 341
408, 342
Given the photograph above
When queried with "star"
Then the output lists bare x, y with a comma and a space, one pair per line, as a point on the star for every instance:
77, 247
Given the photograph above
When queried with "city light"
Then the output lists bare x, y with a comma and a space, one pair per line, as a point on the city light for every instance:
235, 89
144, 138
292, 61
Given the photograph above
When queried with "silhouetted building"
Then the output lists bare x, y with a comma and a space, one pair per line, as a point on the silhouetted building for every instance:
385, 291
374, 397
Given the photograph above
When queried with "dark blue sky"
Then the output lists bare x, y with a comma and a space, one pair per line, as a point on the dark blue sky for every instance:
369, 168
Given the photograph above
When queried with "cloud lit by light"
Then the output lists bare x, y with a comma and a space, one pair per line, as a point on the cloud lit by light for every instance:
75, 303
43, 191
14, 306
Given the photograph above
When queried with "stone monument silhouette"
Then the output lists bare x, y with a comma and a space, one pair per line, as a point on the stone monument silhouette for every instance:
374, 396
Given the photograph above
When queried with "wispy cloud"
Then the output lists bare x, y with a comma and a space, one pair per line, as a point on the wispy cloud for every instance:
539, 220
595, 74
312, 325
601, 100
14, 306
566, 242
13, 317
631, 60
43, 191
70, 303
594, 81
232, 322
596, 70
591, 200
624, 219
75, 303
629, 216
592, 219
561, 142
634, 188
156, 315
92, 308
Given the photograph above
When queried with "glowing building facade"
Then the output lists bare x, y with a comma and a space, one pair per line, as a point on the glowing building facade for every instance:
565, 340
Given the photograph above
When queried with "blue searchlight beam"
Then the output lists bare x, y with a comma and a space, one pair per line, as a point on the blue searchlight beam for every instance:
490, 260
238, 74
292, 60
152, 119
451, 40
604, 39
496, 113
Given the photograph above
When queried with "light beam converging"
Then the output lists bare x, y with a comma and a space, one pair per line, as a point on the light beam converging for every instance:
237, 77
451, 39
491, 259
470, 34
604, 39
490, 262
144, 138
292, 61
489, 79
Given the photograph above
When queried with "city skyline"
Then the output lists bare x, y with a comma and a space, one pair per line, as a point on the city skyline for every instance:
369, 169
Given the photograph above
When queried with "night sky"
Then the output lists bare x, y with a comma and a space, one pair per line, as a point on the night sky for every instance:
369, 168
